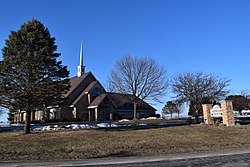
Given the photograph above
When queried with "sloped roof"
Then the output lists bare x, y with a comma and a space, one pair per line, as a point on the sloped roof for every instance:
90, 86
124, 102
74, 82
97, 101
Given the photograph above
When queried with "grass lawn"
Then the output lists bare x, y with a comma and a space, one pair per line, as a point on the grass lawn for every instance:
99, 143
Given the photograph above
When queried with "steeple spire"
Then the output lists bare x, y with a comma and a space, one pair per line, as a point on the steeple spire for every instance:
81, 67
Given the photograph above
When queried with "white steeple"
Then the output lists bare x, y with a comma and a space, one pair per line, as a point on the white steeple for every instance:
81, 67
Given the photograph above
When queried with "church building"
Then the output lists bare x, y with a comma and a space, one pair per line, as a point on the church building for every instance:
87, 100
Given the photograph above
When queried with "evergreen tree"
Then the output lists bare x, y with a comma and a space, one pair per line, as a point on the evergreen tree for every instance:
30, 75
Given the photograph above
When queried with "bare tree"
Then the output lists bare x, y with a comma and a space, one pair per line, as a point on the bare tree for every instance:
245, 93
141, 77
169, 108
179, 107
173, 107
197, 88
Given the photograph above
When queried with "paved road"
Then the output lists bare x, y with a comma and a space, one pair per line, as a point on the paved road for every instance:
229, 159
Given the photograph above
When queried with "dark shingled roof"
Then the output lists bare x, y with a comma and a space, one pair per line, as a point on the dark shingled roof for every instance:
74, 82
97, 100
83, 92
90, 86
124, 102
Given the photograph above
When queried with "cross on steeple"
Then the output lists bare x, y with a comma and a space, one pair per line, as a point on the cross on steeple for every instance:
81, 67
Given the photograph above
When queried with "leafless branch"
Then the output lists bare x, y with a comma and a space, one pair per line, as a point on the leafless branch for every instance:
197, 87
141, 77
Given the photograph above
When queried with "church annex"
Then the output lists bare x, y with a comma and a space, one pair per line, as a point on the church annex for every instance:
87, 100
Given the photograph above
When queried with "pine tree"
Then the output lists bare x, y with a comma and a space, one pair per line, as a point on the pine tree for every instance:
30, 75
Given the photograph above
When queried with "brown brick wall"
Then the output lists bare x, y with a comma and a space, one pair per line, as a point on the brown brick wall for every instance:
227, 113
206, 113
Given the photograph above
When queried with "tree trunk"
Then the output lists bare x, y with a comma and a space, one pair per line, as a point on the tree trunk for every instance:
135, 106
27, 122
33, 116
45, 114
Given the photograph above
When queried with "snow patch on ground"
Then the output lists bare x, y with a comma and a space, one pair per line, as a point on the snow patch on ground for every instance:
74, 126
7, 127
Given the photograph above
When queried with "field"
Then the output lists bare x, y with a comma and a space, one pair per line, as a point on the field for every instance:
101, 143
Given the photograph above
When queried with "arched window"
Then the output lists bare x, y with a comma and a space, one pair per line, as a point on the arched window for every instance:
96, 91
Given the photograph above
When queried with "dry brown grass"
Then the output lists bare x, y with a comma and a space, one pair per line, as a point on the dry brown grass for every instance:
83, 144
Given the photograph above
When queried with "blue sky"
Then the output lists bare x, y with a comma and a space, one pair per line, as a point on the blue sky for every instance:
212, 36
